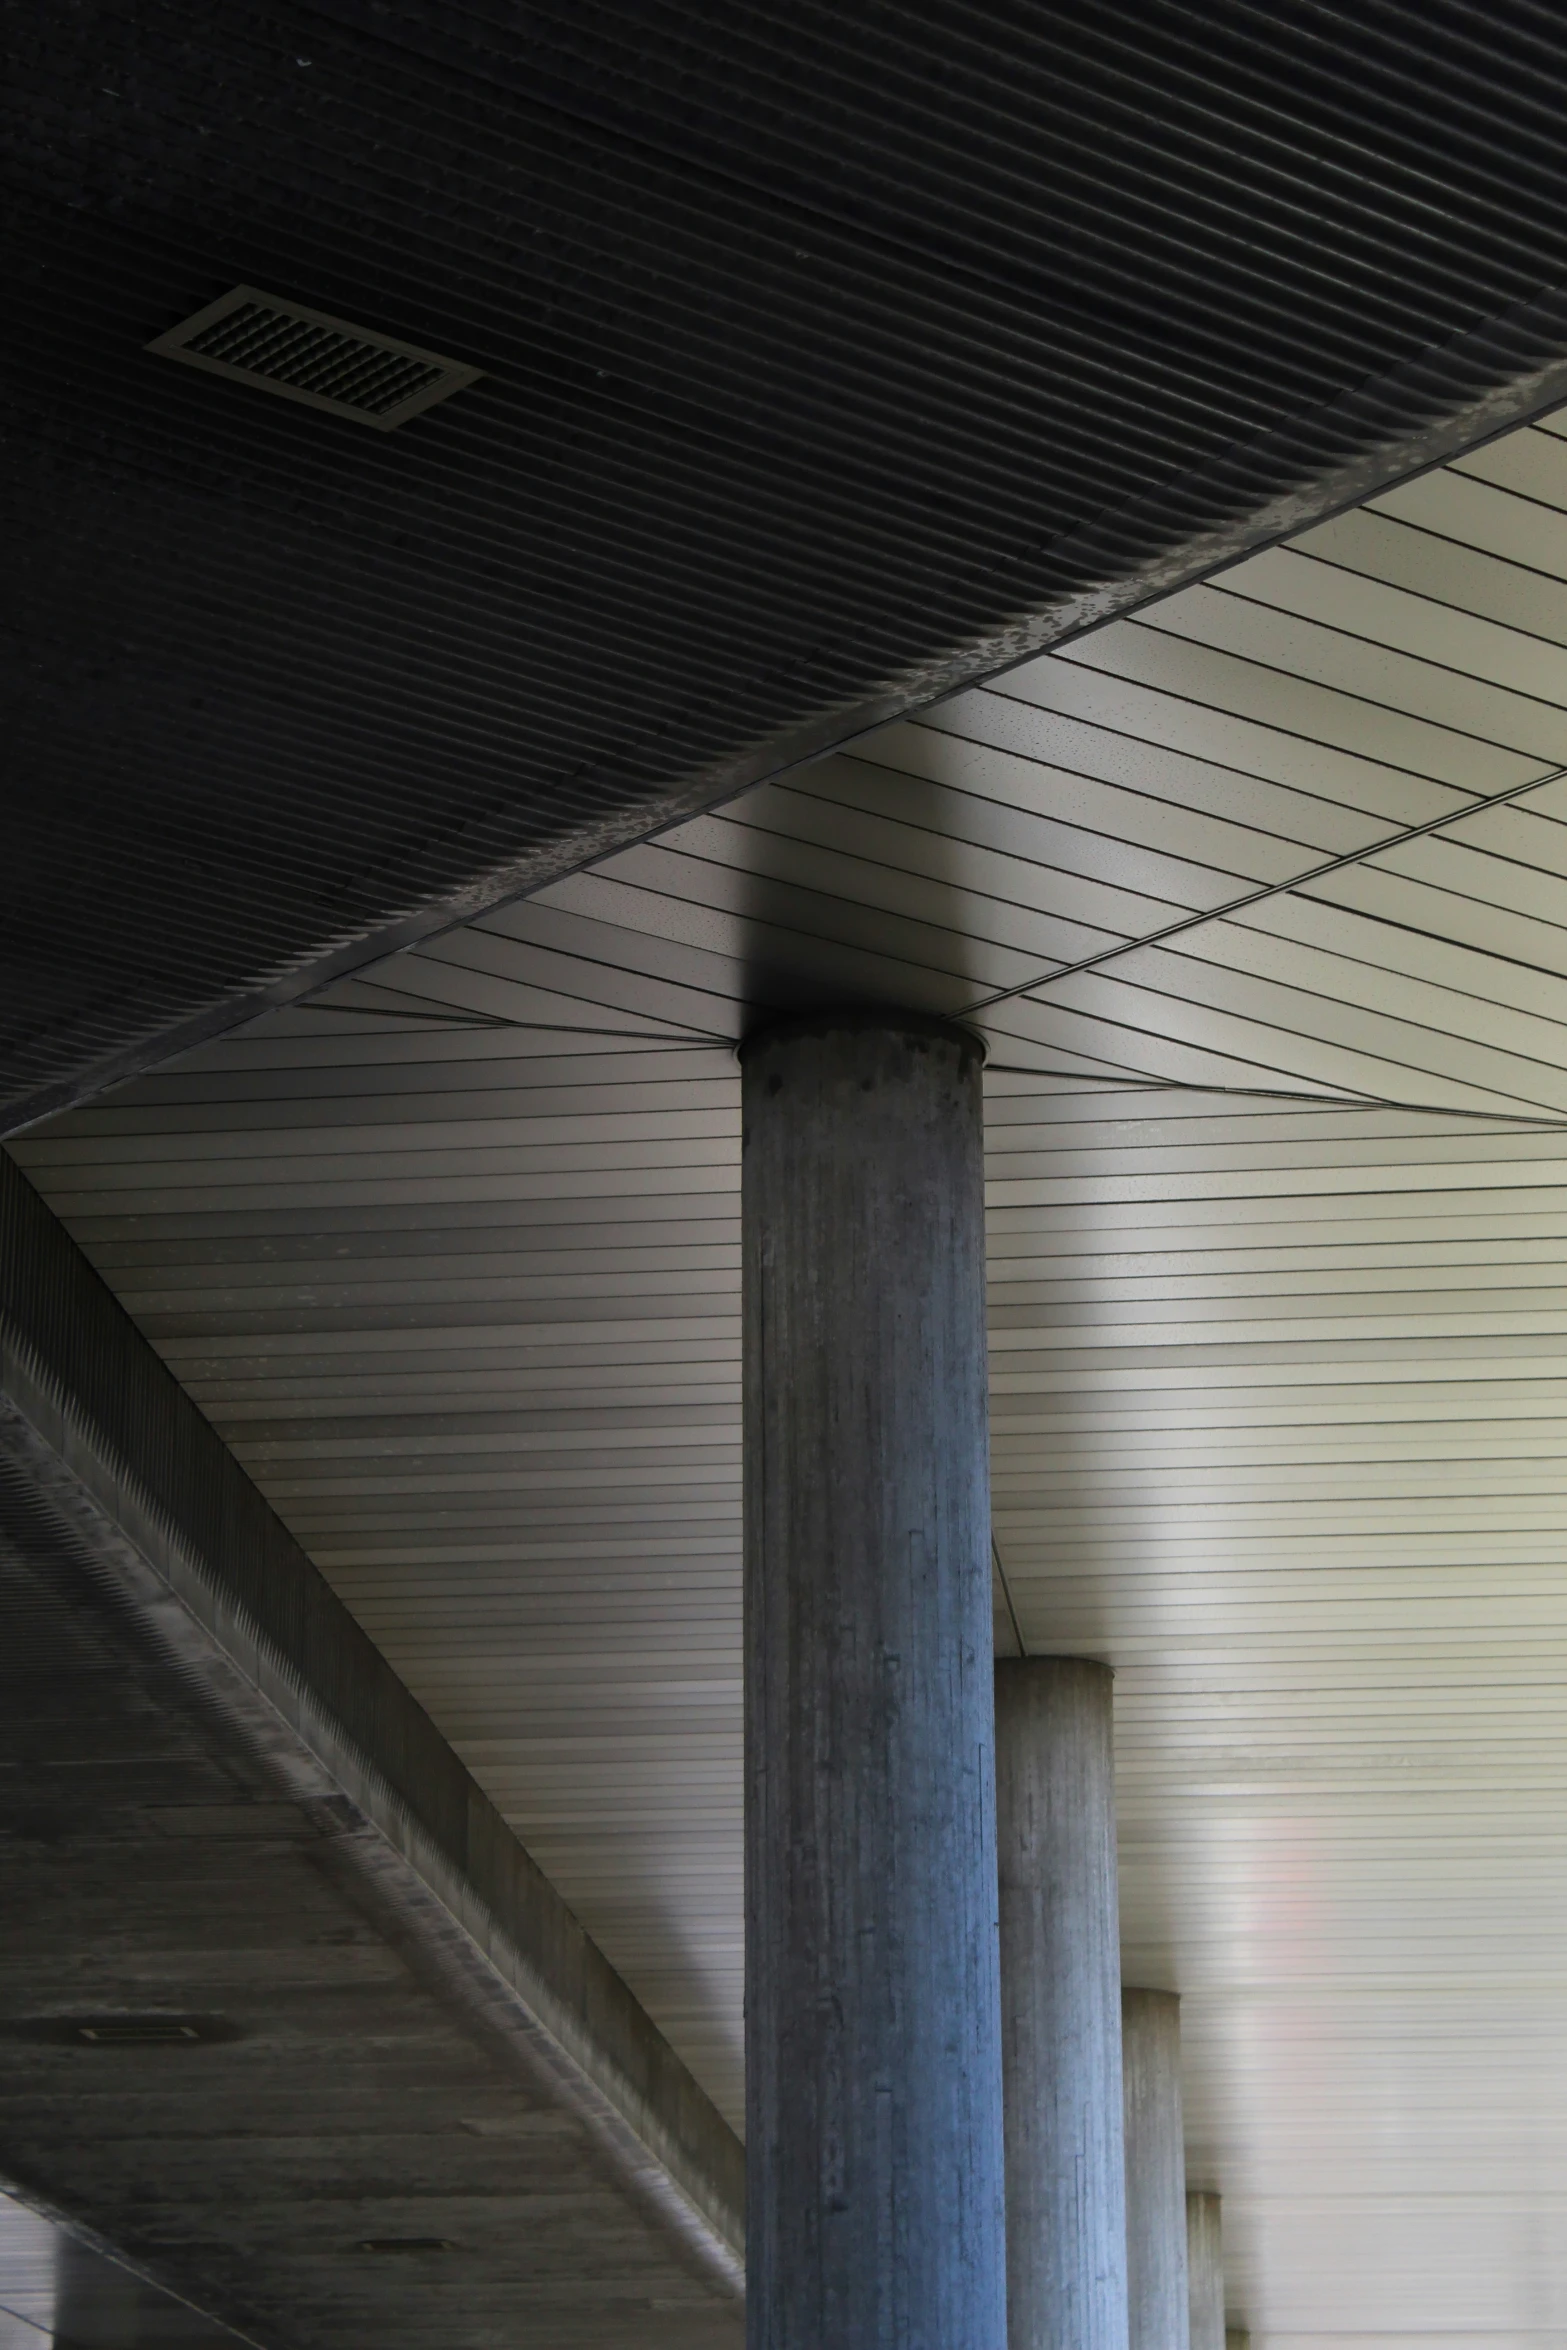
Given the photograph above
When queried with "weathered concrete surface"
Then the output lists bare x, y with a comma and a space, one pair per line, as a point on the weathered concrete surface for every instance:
872, 2032
1157, 2313
1205, 2272
222, 1807
1060, 2005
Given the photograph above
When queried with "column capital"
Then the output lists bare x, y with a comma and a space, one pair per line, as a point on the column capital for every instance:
851, 1019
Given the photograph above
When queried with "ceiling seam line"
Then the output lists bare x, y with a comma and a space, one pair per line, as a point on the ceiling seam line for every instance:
428, 1007
1135, 618
681, 1039
1283, 1093
1360, 638
1141, 1025
1347, 636
1006, 1593
1437, 603
1272, 889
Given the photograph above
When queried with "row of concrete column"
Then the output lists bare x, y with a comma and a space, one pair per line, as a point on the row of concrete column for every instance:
1106, 2250
960, 2134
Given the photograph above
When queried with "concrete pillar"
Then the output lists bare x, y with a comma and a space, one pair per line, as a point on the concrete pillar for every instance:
1158, 2318
1205, 2272
1060, 2006
873, 2040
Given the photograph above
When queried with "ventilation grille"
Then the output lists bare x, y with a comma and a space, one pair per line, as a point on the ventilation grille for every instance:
122, 2031
405, 2244
137, 2031
282, 347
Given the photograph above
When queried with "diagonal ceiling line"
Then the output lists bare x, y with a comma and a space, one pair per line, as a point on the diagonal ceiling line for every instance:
1257, 897
1541, 1122
1006, 1593
683, 1038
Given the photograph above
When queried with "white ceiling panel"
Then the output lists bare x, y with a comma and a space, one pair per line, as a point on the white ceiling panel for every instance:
1348, 695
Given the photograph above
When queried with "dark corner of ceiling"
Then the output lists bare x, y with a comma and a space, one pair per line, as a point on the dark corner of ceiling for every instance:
828, 357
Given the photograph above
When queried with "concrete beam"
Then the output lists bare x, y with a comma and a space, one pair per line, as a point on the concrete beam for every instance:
143, 1567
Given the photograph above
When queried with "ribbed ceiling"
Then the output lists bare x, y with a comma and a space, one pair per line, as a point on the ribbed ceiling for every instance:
820, 350
1261, 900
823, 349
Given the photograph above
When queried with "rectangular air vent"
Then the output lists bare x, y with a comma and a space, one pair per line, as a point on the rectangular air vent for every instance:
125, 2030
405, 2244
282, 347
137, 2031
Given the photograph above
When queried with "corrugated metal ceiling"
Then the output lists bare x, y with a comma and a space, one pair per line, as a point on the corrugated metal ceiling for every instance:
830, 355
1277, 1212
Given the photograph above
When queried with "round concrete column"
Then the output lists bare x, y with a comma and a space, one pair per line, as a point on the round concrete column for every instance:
873, 2047
1060, 2006
1158, 2317
1205, 2272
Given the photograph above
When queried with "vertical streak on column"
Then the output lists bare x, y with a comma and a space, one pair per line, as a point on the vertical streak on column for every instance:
873, 2057
1060, 2006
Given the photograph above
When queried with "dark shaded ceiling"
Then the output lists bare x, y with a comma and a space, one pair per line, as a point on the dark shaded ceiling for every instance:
832, 355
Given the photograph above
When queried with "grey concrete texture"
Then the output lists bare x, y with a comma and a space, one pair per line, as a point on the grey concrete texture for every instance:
1061, 2005
1205, 2271
1158, 2317
873, 2050
398, 2096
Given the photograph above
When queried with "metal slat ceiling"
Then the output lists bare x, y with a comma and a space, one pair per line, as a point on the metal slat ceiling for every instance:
830, 355
53, 2288
1277, 1129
